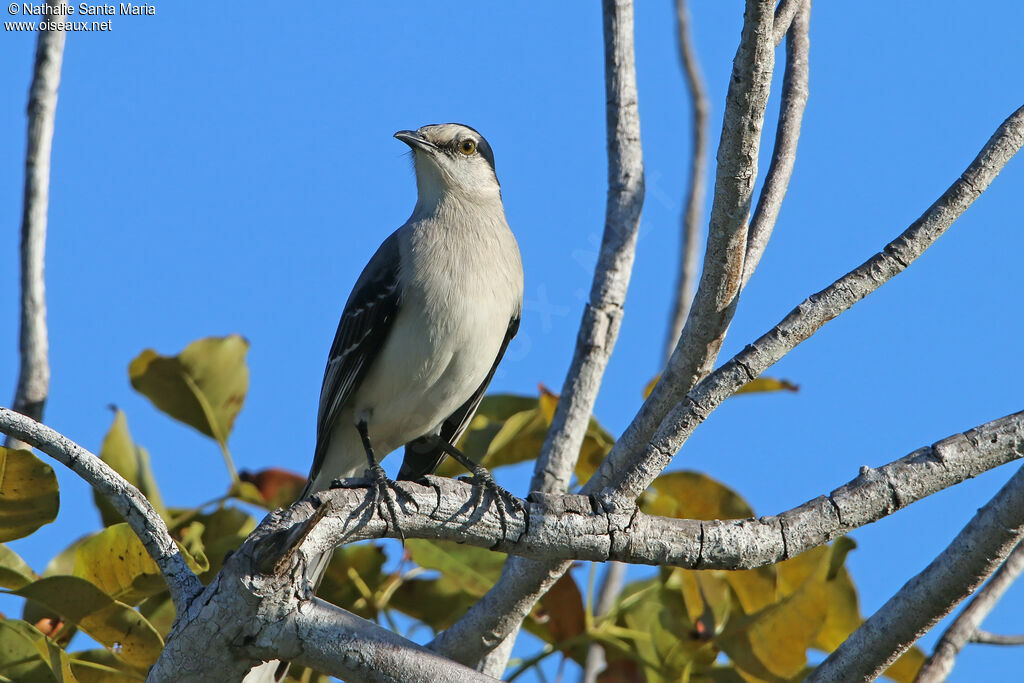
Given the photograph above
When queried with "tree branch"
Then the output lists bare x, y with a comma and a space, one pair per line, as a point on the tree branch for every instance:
125, 498
574, 527
260, 606
986, 638
784, 14
34, 371
503, 607
694, 211
717, 293
974, 554
787, 135
629, 474
603, 313
967, 623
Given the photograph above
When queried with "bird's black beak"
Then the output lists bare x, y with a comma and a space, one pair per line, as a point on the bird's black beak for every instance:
415, 140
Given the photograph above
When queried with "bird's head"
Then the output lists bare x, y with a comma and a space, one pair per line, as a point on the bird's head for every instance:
452, 159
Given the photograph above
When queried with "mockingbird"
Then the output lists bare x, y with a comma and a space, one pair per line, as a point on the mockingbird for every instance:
423, 330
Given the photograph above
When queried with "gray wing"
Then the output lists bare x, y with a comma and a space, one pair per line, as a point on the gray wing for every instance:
365, 324
424, 455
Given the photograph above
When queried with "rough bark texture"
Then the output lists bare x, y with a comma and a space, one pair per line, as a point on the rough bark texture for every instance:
974, 554
736, 172
34, 371
965, 627
787, 135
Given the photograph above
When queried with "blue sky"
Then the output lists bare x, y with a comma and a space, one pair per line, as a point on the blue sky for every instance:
219, 171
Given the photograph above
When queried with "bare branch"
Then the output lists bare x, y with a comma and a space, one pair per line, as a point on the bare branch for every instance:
716, 298
966, 625
125, 498
787, 135
34, 371
986, 638
974, 554
694, 211
784, 14
628, 476
603, 313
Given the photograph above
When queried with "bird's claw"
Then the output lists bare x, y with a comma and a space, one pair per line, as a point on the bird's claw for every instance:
380, 490
503, 500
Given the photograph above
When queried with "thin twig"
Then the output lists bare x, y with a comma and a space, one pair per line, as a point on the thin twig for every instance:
974, 554
986, 638
787, 135
33, 345
603, 313
967, 623
693, 212
718, 291
125, 498
629, 474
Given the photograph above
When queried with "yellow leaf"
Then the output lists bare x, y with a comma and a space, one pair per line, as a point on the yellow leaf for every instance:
204, 386
758, 385
28, 494
131, 462
114, 624
765, 384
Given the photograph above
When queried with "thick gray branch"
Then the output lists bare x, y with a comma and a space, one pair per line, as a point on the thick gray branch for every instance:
928, 597
33, 346
694, 206
966, 625
125, 498
603, 313
718, 291
787, 135
573, 527
629, 474
260, 607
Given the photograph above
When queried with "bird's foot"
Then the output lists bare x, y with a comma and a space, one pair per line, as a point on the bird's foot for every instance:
383, 494
504, 501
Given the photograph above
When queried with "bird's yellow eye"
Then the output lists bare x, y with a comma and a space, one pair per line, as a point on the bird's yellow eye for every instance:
467, 147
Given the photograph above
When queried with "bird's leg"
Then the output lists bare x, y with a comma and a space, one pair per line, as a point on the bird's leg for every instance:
382, 486
483, 478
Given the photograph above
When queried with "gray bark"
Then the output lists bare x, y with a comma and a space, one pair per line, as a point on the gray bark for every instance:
965, 627
974, 554
33, 346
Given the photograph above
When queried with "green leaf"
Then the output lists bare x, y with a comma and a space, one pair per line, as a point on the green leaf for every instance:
474, 569
99, 666
14, 573
466, 574
115, 561
204, 386
131, 462
114, 624
26, 656
351, 564
28, 494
